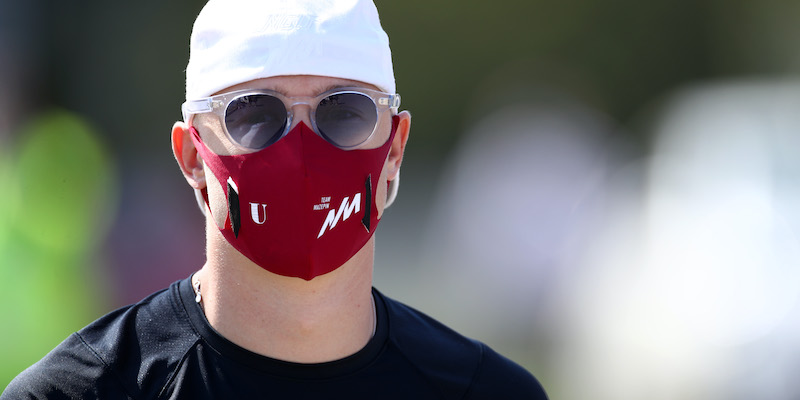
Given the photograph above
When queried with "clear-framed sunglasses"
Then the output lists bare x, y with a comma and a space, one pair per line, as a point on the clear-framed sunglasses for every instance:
346, 117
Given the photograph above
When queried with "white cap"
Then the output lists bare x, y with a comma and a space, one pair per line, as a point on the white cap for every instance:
235, 41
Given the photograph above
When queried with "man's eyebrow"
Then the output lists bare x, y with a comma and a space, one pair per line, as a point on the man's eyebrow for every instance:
332, 87
277, 88
281, 89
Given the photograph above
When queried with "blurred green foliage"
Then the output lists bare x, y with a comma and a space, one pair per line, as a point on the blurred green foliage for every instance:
59, 191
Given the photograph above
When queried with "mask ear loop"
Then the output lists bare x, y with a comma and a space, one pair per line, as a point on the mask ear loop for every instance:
201, 195
393, 188
394, 185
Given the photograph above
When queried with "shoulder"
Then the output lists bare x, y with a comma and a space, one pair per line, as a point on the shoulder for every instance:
457, 364
500, 378
416, 332
126, 353
71, 370
149, 328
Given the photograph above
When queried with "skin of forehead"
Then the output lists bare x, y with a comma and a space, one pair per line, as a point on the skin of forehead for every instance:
298, 85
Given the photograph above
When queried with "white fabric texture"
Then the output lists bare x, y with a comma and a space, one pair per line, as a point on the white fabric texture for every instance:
235, 41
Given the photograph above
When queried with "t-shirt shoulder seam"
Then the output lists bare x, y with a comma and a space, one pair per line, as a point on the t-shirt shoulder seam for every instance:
420, 372
108, 367
478, 368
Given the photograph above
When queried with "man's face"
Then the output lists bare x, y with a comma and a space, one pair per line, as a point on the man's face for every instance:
213, 135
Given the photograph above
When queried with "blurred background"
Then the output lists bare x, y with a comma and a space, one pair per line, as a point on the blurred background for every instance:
605, 192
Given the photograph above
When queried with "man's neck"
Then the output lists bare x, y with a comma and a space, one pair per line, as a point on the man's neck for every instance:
325, 319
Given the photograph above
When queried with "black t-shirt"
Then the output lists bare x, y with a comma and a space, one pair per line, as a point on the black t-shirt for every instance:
164, 348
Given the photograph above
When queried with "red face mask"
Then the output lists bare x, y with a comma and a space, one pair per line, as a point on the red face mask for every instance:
300, 207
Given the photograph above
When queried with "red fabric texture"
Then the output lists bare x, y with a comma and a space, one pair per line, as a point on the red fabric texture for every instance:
307, 188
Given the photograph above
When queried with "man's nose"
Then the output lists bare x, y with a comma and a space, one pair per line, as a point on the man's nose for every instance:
301, 112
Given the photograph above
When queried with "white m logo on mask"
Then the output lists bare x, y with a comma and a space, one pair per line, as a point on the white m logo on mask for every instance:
346, 208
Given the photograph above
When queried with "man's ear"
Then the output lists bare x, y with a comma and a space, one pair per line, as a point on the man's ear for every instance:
186, 154
395, 157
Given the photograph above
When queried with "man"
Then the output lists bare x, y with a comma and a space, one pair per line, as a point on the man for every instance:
293, 142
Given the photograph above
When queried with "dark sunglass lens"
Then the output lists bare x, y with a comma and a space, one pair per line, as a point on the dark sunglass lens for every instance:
346, 119
255, 121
